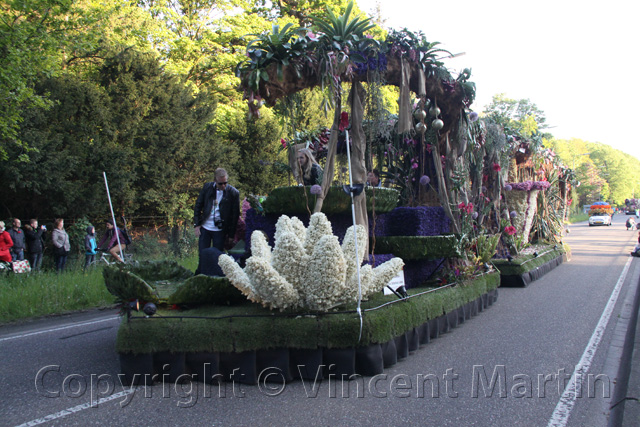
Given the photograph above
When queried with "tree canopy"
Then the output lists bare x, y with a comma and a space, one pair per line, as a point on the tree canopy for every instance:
147, 91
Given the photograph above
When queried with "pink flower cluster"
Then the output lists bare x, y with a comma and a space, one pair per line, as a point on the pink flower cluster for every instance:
466, 208
510, 230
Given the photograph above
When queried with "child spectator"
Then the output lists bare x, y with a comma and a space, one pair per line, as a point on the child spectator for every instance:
90, 246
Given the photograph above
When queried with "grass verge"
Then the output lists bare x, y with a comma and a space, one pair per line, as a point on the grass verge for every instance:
578, 218
31, 295
23, 296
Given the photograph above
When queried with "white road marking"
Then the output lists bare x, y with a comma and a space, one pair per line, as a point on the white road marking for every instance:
560, 416
61, 328
75, 409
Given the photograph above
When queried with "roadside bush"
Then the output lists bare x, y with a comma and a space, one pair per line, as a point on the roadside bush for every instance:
149, 246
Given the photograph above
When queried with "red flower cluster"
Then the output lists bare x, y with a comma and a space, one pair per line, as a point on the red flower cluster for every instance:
510, 230
466, 208
496, 167
344, 121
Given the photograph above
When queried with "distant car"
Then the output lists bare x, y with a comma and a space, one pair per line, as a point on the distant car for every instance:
599, 220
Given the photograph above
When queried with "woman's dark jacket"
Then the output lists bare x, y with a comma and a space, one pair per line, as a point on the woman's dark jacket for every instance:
34, 239
315, 176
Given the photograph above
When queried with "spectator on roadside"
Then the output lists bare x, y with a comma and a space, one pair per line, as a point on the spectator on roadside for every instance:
5, 244
34, 237
373, 178
630, 224
61, 244
90, 246
311, 170
216, 213
115, 240
17, 235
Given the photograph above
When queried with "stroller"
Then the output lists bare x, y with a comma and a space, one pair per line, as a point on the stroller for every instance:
631, 224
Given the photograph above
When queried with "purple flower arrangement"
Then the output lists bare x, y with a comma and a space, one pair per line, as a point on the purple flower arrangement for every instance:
529, 185
372, 63
417, 271
418, 221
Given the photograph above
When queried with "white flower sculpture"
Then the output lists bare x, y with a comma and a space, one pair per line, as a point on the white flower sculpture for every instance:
307, 268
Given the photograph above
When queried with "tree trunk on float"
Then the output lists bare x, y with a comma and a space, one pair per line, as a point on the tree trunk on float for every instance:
358, 148
329, 166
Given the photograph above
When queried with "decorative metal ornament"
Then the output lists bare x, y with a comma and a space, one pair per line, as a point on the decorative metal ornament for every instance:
420, 114
420, 127
434, 111
437, 124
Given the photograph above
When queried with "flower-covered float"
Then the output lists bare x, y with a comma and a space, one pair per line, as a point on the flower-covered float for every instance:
306, 314
461, 195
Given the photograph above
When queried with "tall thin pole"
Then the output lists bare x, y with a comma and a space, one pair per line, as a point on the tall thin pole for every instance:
113, 217
355, 234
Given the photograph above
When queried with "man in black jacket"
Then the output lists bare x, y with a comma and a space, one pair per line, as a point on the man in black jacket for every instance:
34, 237
17, 235
216, 213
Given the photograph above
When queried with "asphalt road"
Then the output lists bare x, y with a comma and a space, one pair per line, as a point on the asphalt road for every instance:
64, 371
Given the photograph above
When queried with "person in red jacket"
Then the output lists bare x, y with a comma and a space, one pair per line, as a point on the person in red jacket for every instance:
5, 244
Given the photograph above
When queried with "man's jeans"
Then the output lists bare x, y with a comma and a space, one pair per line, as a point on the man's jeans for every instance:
36, 261
208, 237
17, 254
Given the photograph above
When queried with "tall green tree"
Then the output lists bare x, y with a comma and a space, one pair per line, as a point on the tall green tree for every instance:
40, 39
72, 143
601, 170
148, 131
167, 127
257, 155
521, 116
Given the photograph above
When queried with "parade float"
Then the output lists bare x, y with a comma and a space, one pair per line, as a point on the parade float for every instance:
307, 297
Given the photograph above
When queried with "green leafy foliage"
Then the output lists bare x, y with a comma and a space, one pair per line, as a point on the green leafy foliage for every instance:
149, 281
548, 223
415, 47
282, 47
253, 146
419, 247
486, 246
143, 127
340, 30
206, 290
77, 233
524, 263
600, 170
521, 116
